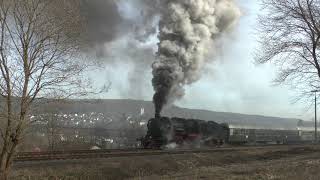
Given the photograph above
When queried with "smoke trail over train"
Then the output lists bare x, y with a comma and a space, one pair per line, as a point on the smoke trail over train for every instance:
187, 30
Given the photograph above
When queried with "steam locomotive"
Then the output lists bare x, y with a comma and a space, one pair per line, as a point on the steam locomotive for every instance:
164, 131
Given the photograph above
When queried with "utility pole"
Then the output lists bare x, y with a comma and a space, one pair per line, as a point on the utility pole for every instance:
315, 116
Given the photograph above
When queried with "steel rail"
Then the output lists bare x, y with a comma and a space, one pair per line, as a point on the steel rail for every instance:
87, 154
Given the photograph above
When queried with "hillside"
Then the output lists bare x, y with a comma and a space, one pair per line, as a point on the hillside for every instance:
137, 107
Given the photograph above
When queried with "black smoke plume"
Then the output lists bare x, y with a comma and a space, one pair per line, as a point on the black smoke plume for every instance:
187, 30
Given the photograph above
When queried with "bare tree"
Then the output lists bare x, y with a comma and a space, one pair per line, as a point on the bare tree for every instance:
38, 58
290, 37
52, 130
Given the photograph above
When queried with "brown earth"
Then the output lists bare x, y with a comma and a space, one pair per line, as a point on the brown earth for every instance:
270, 163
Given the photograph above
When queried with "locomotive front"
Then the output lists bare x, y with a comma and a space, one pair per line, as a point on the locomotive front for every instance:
180, 132
156, 136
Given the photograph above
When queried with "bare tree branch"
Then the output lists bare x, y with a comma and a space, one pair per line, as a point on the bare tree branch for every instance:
39, 55
289, 37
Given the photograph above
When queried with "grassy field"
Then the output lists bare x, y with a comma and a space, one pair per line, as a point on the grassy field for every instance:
279, 163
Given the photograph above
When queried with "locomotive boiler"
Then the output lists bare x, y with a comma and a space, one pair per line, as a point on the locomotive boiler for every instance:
164, 131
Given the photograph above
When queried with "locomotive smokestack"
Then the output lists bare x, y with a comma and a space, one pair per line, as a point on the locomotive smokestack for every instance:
160, 97
157, 115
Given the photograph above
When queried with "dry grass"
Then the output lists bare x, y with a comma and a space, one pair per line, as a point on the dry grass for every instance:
259, 164
301, 168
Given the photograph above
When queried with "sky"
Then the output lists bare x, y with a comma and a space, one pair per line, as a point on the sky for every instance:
231, 82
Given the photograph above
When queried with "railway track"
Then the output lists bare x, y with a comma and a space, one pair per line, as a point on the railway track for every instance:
101, 154
87, 154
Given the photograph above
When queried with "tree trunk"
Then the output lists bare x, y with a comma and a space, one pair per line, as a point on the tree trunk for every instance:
6, 159
4, 174
4, 168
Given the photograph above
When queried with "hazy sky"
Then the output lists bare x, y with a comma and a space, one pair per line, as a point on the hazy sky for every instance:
230, 83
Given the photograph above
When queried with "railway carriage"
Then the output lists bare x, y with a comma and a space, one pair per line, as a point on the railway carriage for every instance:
263, 136
269, 131
306, 131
